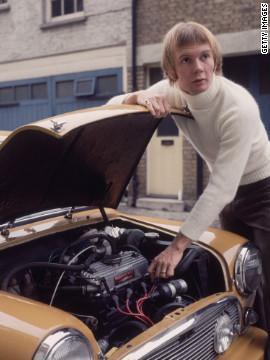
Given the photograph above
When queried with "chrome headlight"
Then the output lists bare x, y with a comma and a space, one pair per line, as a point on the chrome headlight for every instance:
224, 333
65, 344
248, 269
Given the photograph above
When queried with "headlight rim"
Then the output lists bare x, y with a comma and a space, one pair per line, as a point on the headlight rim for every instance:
218, 333
54, 340
239, 274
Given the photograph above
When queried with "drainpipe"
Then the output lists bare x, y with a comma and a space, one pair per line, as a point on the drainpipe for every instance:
134, 44
134, 88
199, 182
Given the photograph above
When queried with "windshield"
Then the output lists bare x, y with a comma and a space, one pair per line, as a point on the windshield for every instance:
46, 214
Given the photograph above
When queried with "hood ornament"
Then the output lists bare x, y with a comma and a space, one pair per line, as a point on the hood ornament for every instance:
70, 213
6, 230
185, 108
57, 127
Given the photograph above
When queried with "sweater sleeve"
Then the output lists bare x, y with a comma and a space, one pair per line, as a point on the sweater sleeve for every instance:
117, 100
235, 130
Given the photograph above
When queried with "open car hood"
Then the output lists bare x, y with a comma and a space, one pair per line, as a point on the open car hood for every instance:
83, 158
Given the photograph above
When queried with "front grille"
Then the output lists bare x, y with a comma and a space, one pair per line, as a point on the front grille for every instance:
197, 343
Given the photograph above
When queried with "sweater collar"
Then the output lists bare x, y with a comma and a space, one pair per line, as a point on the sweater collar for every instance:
205, 98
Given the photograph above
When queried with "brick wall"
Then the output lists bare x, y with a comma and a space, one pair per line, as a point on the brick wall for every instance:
189, 173
155, 18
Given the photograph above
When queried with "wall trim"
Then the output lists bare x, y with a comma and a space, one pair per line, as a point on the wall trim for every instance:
240, 43
232, 44
105, 58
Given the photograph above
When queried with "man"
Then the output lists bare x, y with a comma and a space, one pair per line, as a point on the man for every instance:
229, 135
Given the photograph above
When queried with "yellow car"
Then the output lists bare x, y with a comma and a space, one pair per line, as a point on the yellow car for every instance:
74, 280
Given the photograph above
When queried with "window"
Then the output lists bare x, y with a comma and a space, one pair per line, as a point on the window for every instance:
64, 7
39, 91
24, 92
99, 86
167, 127
64, 89
4, 6
84, 87
59, 12
107, 84
6, 94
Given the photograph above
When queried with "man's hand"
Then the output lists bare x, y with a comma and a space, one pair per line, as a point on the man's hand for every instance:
157, 104
164, 264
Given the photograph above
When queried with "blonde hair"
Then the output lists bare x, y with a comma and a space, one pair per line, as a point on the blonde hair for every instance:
186, 34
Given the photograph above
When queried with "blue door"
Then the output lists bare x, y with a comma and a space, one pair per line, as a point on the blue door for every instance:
84, 90
23, 101
26, 101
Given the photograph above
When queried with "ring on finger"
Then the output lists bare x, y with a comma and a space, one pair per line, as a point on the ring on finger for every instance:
147, 101
163, 271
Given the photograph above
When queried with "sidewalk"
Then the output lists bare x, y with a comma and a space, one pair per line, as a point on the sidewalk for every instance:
161, 214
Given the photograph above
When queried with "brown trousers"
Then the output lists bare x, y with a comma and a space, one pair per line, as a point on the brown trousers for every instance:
248, 215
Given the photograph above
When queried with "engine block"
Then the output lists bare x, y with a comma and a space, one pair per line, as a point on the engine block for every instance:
118, 270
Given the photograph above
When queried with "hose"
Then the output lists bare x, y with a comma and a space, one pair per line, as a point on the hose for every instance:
76, 268
83, 238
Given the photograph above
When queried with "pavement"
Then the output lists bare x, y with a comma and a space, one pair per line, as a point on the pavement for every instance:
160, 214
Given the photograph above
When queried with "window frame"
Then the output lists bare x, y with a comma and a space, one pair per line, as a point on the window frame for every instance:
92, 75
29, 83
61, 19
5, 6
86, 93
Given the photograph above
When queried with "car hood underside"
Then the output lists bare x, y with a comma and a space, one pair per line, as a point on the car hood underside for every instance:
82, 158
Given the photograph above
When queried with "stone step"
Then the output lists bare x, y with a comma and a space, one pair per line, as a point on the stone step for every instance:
160, 204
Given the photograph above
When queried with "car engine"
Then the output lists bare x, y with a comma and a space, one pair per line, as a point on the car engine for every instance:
102, 278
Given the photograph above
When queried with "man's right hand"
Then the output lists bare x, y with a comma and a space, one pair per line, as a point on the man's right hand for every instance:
157, 104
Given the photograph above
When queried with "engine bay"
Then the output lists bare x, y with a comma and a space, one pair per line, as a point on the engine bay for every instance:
100, 275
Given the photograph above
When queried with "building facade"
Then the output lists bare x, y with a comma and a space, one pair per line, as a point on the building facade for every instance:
62, 55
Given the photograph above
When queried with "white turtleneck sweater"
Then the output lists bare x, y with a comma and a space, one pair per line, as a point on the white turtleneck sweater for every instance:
229, 135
